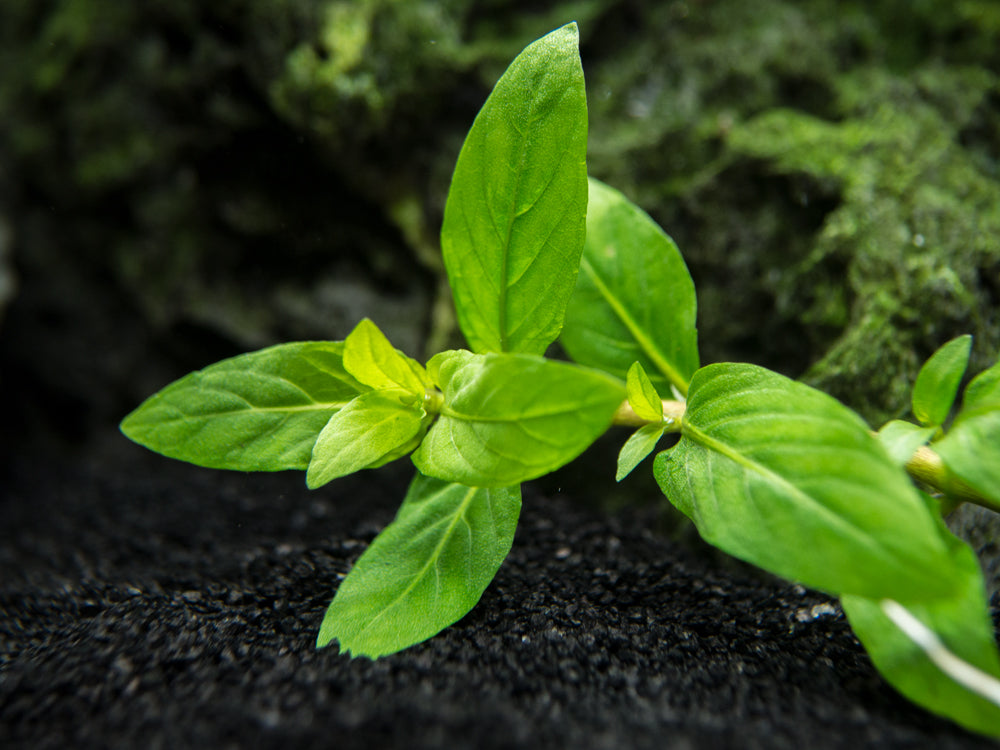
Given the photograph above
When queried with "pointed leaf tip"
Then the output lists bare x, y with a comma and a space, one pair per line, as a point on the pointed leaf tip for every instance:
515, 216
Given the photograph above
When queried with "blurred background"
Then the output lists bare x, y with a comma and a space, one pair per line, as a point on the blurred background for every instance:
182, 181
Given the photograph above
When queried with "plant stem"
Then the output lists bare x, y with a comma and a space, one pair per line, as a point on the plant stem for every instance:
673, 413
926, 466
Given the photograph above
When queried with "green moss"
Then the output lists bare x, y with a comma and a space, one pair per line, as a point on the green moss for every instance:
361, 64
799, 151
829, 170
915, 231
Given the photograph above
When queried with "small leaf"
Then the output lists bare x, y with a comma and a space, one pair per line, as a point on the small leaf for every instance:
366, 432
971, 449
961, 622
256, 412
787, 478
426, 569
508, 418
938, 381
370, 358
901, 439
634, 298
642, 442
642, 396
515, 216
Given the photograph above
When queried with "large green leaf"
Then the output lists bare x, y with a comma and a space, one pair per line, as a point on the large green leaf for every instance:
256, 412
508, 418
515, 217
425, 570
961, 623
938, 381
634, 298
971, 449
787, 478
372, 429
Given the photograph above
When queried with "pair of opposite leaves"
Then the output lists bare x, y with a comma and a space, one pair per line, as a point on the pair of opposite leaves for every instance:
481, 420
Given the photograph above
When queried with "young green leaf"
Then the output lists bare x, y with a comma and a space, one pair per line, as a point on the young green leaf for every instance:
642, 442
901, 439
507, 418
370, 358
787, 478
362, 435
514, 220
961, 624
634, 298
426, 569
642, 396
971, 449
260, 411
938, 381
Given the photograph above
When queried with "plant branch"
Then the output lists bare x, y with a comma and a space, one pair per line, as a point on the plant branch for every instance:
673, 413
926, 466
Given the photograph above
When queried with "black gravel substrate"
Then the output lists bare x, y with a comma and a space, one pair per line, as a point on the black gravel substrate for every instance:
149, 604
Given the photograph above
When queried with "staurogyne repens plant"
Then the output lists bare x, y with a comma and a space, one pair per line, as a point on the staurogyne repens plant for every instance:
770, 470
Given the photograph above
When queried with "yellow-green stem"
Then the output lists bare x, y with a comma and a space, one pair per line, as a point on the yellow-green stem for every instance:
673, 413
925, 465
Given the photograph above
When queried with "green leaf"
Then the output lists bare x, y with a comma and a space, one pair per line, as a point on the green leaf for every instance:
425, 570
508, 418
642, 396
961, 622
370, 430
901, 439
634, 298
256, 412
787, 478
938, 381
642, 442
370, 358
515, 217
971, 449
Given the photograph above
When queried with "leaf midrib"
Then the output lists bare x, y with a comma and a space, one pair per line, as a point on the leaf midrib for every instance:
513, 217
645, 344
431, 560
712, 444
327, 406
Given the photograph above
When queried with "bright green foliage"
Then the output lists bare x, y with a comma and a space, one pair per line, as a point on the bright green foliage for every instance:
765, 463
515, 217
634, 298
366, 433
641, 394
770, 470
971, 449
938, 381
370, 358
425, 570
379, 426
961, 621
646, 404
256, 412
641, 443
508, 418
901, 439
914, 227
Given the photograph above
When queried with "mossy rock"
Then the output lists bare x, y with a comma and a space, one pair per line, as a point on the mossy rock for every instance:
234, 166
911, 254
